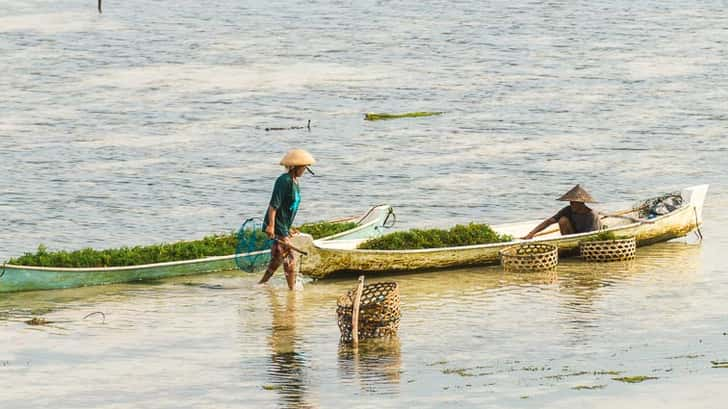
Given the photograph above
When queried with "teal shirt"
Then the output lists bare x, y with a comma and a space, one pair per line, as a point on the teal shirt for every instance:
285, 199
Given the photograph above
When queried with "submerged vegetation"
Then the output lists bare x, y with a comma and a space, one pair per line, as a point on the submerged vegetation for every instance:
378, 117
38, 321
460, 235
588, 387
209, 246
719, 364
634, 379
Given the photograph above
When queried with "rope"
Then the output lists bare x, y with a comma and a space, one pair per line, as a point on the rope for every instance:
394, 219
697, 224
3, 272
371, 209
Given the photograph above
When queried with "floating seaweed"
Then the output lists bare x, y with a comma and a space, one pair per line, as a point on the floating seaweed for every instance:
719, 364
38, 321
634, 379
588, 388
382, 116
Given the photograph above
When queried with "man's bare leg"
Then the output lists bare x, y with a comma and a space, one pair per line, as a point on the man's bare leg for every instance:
289, 266
291, 279
565, 226
268, 274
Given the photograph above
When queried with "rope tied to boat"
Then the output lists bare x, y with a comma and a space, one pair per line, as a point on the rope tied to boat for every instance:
371, 209
2, 273
697, 224
386, 219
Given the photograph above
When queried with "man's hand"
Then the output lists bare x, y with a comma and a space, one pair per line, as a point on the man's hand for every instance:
529, 236
270, 231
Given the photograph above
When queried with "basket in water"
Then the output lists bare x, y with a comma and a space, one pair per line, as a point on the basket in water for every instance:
378, 312
608, 250
529, 257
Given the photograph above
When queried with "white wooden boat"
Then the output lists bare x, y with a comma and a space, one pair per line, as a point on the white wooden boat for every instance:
327, 258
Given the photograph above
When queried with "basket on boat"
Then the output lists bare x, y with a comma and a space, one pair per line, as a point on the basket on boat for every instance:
529, 257
608, 250
378, 312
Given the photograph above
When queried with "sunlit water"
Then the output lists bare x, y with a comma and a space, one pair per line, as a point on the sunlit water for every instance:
146, 124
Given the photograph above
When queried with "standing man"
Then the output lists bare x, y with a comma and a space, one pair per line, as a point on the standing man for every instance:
280, 214
574, 218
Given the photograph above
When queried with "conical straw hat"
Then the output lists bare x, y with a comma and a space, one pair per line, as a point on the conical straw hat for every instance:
577, 194
297, 157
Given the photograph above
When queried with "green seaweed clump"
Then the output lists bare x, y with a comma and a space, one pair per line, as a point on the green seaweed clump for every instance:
460, 235
38, 321
606, 236
719, 364
379, 117
634, 379
457, 371
325, 229
209, 246
588, 387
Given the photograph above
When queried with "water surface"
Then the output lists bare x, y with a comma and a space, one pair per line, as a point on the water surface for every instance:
146, 124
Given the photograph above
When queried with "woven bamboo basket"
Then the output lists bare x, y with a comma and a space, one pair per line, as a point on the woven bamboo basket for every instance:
529, 257
379, 312
608, 250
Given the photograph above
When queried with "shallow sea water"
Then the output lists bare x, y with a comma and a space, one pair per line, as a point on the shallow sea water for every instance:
146, 124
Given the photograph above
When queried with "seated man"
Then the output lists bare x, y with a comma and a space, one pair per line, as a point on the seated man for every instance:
574, 218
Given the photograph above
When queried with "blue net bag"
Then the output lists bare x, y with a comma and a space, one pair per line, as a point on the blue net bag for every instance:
250, 254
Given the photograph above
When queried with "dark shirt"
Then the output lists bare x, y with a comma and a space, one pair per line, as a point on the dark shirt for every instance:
285, 199
582, 222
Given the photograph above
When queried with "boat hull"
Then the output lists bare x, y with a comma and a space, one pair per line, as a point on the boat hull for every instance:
25, 278
325, 261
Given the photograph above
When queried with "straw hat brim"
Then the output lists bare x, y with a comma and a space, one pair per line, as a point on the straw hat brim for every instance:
297, 157
577, 194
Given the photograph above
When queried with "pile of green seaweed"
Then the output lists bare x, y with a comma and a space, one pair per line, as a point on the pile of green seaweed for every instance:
209, 246
459, 235
606, 236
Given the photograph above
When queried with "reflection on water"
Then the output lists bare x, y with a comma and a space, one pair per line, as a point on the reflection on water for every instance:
288, 368
499, 335
374, 366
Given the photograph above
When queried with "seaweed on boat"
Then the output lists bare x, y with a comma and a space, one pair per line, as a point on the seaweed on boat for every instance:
325, 229
209, 246
459, 235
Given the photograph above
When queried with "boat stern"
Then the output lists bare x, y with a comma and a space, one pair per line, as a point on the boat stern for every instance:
695, 195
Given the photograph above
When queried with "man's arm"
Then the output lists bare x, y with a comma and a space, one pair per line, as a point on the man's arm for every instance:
546, 223
270, 230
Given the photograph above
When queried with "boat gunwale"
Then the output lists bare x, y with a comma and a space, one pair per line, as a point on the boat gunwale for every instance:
181, 262
355, 229
675, 212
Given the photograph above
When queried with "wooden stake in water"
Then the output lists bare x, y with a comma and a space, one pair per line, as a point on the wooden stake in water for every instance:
99, 6
355, 314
